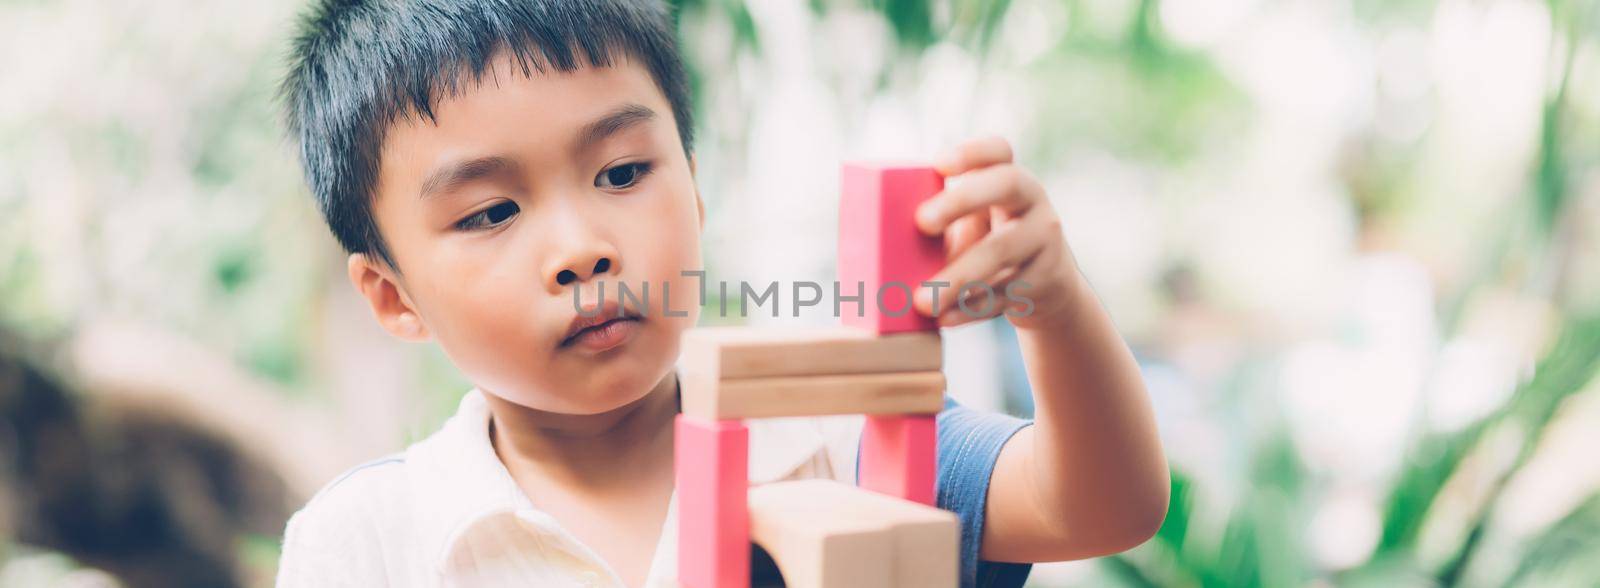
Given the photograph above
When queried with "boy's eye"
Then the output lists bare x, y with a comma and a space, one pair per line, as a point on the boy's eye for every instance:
621, 176
490, 217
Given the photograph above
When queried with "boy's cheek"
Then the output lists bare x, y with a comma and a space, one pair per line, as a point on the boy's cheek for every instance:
477, 333
673, 250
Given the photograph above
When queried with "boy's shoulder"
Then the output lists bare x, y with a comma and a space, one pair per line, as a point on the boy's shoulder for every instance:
458, 454
382, 486
347, 527
370, 504
387, 511
374, 485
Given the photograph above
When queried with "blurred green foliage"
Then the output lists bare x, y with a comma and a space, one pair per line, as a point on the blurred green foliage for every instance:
1133, 92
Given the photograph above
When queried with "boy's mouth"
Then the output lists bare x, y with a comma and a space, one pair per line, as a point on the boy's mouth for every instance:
602, 330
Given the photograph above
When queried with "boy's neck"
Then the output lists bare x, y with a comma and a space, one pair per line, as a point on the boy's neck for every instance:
585, 449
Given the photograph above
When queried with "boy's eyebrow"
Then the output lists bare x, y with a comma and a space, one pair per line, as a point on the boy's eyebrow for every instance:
453, 175
621, 118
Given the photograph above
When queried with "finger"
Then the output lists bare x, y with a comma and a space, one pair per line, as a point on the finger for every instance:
965, 232
979, 303
975, 154
1004, 247
1004, 186
1005, 295
1018, 291
977, 300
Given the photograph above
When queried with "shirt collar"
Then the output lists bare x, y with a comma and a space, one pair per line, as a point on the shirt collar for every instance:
458, 481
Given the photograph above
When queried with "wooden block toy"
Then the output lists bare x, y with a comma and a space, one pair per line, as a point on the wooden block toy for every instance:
750, 352
926, 539
816, 545
824, 534
898, 456
887, 393
884, 361
712, 477
881, 248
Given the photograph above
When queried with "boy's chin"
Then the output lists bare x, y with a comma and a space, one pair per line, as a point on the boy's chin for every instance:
582, 402
607, 403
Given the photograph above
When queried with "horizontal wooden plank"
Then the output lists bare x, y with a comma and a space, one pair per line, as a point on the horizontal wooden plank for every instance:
762, 352
891, 393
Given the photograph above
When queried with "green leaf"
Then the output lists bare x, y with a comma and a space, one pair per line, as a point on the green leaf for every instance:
1566, 370
912, 21
1429, 466
1575, 535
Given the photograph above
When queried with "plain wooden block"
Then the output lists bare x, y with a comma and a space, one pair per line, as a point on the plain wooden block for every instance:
760, 352
818, 546
898, 456
927, 540
892, 393
880, 245
824, 534
711, 463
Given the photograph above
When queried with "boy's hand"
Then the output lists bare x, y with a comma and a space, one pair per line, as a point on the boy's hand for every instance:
999, 229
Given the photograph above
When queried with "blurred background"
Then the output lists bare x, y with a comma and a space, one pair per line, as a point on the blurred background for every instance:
1354, 243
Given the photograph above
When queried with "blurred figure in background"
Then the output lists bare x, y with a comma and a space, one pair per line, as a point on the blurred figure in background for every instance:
136, 491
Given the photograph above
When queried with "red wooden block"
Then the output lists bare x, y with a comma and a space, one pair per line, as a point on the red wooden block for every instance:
897, 456
880, 247
712, 471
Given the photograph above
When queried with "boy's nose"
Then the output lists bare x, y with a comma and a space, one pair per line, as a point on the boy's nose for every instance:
581, 267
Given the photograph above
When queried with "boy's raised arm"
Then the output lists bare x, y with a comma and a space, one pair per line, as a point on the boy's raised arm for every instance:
1089, 478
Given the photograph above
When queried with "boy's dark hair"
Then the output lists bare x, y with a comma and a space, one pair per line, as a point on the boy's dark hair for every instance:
360, 65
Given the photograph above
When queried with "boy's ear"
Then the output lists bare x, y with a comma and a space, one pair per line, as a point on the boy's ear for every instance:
378, 285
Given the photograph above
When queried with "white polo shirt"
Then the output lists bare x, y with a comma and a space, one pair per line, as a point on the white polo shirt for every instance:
445, 512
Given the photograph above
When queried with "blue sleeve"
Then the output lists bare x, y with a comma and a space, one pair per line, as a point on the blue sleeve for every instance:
969, 444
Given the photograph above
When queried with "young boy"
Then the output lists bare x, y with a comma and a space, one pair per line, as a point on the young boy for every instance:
482, 159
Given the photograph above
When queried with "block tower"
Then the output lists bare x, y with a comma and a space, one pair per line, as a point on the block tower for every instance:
882, 361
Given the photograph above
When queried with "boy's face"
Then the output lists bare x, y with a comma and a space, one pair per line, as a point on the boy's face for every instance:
523, 189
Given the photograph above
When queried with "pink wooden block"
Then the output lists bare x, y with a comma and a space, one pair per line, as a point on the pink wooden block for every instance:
880, 247
712, 469
897, 456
